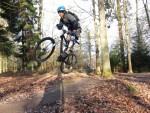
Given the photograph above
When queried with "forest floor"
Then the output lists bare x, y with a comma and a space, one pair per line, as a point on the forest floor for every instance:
74, 93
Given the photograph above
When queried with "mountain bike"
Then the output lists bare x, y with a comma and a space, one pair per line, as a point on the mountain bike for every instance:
46, 46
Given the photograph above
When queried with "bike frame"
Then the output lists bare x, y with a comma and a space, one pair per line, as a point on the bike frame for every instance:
62, 37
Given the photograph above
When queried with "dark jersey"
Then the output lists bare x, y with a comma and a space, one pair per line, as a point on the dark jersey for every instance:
70, 21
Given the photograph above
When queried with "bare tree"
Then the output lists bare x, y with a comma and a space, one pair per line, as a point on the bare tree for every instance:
40, 3
106, 69
119, 17
0, 62
89, 48
146, 10
127, 37
97, 38
137, 21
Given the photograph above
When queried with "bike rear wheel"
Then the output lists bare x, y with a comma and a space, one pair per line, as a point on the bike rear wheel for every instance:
44, 49
68, 65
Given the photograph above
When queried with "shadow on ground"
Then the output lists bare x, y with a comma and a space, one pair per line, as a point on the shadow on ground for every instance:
52, 100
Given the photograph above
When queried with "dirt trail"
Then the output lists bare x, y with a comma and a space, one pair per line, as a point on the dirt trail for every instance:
75, 93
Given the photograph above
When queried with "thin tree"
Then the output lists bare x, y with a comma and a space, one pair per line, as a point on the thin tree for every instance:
40, 3
106, 69
146, 10
89, 48
0, 62
98, 68
127, 37
119, 17
137, 21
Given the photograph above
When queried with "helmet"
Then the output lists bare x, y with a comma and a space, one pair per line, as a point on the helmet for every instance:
61, 8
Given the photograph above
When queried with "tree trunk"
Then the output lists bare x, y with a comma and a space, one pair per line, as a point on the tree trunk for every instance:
106, 69
40, 15
137, 21
89, 48
121, 35
4, 58
80, 56
6, 68
146, 11
127, 37
24, 65
97, 42
0, 62
3, 62
139, 33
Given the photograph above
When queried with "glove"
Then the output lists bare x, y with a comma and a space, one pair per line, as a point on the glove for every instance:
59, 26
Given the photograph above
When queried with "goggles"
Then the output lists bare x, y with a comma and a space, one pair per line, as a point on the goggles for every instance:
60, 11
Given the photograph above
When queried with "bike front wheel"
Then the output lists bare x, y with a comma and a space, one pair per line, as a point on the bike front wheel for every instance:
44, 49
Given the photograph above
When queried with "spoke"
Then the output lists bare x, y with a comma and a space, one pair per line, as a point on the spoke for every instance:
44, 50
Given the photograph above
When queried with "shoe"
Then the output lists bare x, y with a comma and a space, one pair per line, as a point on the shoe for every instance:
59, 59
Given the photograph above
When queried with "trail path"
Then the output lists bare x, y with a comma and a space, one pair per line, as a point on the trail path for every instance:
75, 93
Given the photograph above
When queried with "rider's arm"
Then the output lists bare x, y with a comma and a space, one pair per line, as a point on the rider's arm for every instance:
60, 25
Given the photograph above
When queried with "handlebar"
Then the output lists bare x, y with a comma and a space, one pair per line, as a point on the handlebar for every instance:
60, 27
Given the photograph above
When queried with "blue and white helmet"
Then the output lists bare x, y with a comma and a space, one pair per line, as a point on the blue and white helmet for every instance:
61, 8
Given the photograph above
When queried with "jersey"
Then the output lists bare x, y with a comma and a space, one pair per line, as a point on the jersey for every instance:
71, 21
73, 14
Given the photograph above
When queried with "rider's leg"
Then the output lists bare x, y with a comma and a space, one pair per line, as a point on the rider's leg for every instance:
71, 40
71, 44
63, 55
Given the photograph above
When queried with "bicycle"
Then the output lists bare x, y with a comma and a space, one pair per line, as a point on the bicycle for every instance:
46, 46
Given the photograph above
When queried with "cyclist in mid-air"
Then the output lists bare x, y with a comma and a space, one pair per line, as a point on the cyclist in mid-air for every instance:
71, 21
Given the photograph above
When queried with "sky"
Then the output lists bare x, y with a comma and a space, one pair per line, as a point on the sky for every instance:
50, 17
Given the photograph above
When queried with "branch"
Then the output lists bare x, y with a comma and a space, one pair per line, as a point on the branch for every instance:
82, 8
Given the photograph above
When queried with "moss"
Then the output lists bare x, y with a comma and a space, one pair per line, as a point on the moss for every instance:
97, 72
131, 89
28, 27
107, 74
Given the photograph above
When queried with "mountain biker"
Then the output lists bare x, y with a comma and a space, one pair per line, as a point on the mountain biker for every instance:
71, 21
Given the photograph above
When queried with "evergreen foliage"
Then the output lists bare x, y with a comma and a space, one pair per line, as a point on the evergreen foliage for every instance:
20, 15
